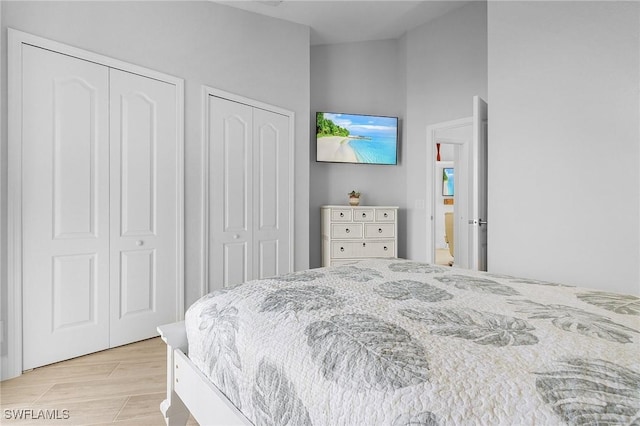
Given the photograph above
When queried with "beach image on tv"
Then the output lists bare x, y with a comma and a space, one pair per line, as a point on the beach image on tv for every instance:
352, 138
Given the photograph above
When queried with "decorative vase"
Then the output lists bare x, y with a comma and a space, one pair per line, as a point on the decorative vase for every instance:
354, 201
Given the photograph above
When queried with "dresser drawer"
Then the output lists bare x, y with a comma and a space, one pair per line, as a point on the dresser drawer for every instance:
379, 230
341, 215
363, 215
346, 230
384, 215
353, 249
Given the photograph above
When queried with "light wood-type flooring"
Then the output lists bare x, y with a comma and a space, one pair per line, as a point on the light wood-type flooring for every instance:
120, 386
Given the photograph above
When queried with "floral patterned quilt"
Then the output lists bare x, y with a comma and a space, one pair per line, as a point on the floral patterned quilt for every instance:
396, 342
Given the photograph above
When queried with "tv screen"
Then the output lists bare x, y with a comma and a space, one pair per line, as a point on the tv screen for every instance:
356, 138
447, 182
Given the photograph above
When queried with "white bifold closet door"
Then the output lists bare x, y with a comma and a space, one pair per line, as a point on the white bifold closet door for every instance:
249, 223
143, 188
98, 200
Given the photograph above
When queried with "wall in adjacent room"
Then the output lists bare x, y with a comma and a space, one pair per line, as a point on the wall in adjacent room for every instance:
564, 132
356, 78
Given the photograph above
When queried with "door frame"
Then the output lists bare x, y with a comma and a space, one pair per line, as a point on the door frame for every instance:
432, 139
212, 91
12, 362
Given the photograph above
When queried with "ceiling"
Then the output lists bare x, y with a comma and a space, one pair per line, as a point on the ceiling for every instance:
347, 21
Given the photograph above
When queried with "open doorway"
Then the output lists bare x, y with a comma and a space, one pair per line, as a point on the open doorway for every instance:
462, 142
444, 191
448, 146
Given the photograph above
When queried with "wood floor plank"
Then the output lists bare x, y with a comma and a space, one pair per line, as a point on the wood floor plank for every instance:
60, 373
140, 406
122, 386
139, 368
74, 413
16, 394
95, 389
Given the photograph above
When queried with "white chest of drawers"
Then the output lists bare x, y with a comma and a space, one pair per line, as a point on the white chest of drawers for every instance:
355, 233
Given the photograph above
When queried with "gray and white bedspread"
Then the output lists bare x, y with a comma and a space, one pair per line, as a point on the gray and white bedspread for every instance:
395, 342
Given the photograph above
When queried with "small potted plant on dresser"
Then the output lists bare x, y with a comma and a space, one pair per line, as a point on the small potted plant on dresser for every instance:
354, 198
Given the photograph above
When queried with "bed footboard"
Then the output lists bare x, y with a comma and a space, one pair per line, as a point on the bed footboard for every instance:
189, 391
173, 409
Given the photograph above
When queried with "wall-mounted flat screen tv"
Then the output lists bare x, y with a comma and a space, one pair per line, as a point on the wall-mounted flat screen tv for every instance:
356, 138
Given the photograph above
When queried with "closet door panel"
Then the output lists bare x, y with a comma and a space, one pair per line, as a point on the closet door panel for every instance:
234, 267
230, 194
138, 123
65, 198
270, 192
235, 147
143, 206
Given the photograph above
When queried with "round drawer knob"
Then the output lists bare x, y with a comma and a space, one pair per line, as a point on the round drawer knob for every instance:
364, 215
347, 230
386, 248
386, 215
139, 243
341, 248
341, 214
380, 230
364, 244
236, 236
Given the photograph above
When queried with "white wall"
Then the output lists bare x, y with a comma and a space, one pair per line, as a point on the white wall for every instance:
446, 67
428, 76
205, 43
357, 78
564, 116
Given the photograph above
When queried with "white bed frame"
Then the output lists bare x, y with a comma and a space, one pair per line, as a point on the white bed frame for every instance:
190, 391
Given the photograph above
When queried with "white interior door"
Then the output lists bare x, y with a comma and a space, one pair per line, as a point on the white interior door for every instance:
65, 197
144, 179
270, 194
469, 138
230, 201
478, 223
463, 194
96, 202
249, 193
457, 136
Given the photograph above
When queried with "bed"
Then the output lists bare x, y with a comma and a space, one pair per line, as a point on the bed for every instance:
397, 342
